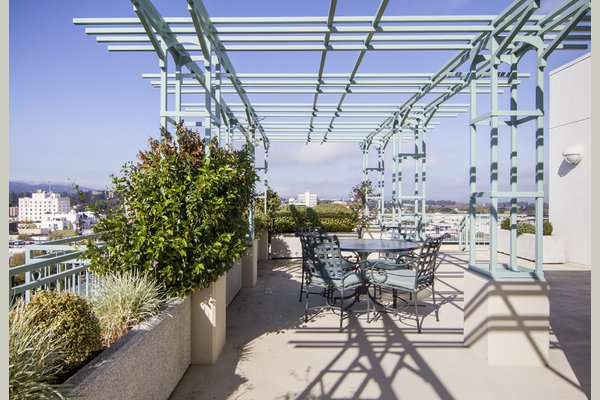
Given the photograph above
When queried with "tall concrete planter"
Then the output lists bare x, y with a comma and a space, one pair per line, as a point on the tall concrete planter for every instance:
234, 280
553, 246
208, 322
250, 265
146, 363
263, 245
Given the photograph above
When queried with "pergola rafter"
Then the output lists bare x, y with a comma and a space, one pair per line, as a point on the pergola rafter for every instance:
477, 46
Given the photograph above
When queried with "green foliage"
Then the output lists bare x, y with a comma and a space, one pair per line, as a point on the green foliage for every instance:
22, 236
16, 259
123, 301
359, 205
61, 234
262, 220
548, 228
333, 217
524, 227
183, 215
36, 354
79, 326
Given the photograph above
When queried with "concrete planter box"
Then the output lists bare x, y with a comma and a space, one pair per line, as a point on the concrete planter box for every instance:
263, 245
250, 266
209, 322
146, 363
286, 245
234, 280
553, 246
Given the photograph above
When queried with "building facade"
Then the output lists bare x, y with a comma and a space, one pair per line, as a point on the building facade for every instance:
33, 208
570, 158
304, 199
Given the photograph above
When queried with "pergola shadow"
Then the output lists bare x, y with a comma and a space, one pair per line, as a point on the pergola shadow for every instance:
361, 355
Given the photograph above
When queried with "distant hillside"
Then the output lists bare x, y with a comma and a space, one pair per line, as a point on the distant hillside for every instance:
29, 187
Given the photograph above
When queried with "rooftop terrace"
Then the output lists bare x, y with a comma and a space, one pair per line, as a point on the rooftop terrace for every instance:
272, 354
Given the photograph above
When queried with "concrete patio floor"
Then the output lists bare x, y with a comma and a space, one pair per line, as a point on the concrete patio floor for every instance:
271, 353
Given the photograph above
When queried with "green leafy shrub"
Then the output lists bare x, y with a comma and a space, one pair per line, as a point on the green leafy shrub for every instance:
183, 215
548, 228
264, 221
524, 227
36, 354
79, 326
333, 217
61, 234
124, 300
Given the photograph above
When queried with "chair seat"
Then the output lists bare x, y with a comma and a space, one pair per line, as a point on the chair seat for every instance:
380, 263
395, 278
351, 280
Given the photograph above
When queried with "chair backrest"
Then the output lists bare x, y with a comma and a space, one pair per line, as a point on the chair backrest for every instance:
304, 230
426, 262
328, 261
391, 232
303, 233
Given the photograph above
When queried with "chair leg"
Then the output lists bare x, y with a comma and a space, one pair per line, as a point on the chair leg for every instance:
341, 308
437, 317
306, 309
368, 305
417, 314
301, 284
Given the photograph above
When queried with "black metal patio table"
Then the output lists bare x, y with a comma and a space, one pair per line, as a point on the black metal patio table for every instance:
364, 247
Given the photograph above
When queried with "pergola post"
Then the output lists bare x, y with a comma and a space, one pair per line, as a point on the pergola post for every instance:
380, 185
208, 98
163, 65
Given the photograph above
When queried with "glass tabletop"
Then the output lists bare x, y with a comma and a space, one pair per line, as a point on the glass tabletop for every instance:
377, 245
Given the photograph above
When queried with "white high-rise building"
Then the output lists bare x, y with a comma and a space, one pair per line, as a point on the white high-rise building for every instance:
40, 203
304, 199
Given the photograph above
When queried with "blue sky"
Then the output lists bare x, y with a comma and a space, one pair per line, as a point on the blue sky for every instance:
79, 112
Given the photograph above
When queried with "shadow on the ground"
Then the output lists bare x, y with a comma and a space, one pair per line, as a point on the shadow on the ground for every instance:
570, 319
261, 303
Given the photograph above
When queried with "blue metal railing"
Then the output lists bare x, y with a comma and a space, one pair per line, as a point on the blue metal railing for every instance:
455, 226
53, 265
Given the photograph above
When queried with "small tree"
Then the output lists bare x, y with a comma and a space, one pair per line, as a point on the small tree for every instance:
359, 205
184, 213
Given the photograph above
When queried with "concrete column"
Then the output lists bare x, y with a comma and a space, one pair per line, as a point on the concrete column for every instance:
250, 266
507, 322
263, 245
209, 322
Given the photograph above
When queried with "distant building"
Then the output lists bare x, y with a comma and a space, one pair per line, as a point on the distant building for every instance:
33, 208
13, 212
304, 199
77, 221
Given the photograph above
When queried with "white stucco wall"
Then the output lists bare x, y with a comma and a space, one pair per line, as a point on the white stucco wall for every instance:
570, 186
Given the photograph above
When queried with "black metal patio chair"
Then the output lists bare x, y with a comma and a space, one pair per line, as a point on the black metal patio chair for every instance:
394, 259
411, 277
329, 270
302, 232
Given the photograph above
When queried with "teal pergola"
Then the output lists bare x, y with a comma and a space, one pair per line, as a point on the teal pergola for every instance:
196, 73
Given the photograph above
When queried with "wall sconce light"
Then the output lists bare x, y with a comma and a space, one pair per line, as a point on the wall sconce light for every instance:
573, 154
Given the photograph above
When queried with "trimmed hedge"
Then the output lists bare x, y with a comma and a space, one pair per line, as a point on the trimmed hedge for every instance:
333, 217
525, 227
